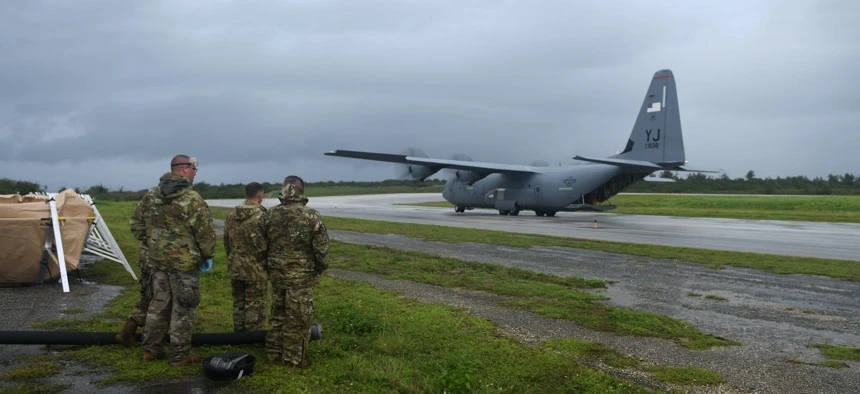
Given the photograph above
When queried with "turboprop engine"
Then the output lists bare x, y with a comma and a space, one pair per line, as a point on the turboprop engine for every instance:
468, 177
415, 172
465, 176
418, 172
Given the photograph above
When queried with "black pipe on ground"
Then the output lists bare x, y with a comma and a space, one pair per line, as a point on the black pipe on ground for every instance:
107, 338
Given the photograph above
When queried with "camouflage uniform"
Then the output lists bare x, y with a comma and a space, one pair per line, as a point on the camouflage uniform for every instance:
138, 314
245, 242
298, 245
179, 235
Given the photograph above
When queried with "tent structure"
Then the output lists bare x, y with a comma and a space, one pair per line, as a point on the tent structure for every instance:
41, 236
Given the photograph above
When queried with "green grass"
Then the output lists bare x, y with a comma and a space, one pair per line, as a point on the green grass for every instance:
591, 352
552, 296
834, 364
844, 209
374, 341
31, 371
839, 352
805, 208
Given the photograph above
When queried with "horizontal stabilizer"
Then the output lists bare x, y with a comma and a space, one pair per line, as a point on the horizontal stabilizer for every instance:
658, 179
694, 170
637, 164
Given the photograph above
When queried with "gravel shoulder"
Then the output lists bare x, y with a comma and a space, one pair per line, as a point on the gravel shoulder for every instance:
776, 317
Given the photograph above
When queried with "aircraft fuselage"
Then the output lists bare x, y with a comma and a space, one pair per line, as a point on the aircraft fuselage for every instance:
556, 189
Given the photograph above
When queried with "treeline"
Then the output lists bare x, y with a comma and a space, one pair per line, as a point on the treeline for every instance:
847, 184
794, 185
9, 186
237, 190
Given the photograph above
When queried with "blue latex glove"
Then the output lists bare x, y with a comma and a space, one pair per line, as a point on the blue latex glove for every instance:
206, 265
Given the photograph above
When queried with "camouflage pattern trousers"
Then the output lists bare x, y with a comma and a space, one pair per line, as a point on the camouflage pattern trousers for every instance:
138, 314
249, 304
175, 296
290, 324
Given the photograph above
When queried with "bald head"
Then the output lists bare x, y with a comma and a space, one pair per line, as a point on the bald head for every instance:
184, 165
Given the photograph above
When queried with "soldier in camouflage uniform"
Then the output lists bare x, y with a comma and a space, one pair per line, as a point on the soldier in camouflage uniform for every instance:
245, 242
298, 245
137, 318
179, 235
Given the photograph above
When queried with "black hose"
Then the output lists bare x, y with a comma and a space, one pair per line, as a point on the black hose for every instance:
107, 338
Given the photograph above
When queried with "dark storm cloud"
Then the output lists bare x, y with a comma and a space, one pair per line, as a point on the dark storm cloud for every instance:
258, 88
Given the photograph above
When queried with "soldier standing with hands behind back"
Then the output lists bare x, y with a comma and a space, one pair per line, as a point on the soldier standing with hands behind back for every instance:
245, 242
180, 238
298, 245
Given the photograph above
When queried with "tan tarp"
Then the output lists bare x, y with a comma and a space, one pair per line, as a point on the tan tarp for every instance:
24, 222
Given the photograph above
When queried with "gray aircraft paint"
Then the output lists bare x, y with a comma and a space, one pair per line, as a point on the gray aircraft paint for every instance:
655, 143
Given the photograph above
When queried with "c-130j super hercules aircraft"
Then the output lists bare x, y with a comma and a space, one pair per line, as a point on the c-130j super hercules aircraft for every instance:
655, 144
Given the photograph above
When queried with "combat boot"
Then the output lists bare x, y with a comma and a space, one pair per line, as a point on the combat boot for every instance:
126, 336
187, 360
149, 356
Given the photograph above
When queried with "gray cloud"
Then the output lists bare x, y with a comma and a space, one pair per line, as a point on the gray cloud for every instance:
105, 91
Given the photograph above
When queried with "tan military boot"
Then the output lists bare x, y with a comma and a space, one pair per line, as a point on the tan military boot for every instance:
126, 336
149, 356
187, 360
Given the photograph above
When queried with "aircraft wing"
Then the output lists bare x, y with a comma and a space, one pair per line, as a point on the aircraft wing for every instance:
510, 169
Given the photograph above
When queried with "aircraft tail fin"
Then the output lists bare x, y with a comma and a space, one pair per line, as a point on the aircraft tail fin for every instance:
656, 135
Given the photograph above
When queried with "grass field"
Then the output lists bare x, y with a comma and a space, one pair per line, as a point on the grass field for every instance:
375, 341
842, 209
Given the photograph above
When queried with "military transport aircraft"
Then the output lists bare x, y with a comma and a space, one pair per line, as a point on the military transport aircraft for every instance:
655, 144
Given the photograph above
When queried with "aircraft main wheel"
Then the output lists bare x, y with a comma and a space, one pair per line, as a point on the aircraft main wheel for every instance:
501, 212
539, 213
459, 209
550, 213
515, 212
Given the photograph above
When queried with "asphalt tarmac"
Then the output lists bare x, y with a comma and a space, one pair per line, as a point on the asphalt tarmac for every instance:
787, 238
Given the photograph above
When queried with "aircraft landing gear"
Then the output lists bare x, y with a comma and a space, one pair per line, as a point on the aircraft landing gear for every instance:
515, 212
503, 213
550, 213
459, 209
539, 213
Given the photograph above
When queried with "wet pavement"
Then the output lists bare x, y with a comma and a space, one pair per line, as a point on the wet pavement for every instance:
24, 306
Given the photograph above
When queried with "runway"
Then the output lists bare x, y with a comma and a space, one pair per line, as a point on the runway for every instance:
787, 238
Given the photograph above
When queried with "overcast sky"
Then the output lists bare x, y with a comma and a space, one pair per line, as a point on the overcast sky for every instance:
106, 92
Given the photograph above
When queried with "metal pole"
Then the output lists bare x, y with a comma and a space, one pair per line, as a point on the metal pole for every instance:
58, 241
